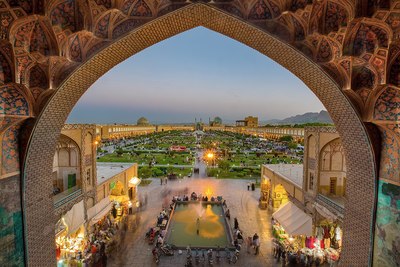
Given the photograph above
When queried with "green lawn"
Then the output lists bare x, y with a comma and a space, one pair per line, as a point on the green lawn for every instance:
146, 158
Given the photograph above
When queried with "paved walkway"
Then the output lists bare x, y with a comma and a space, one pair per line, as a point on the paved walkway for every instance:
243, 204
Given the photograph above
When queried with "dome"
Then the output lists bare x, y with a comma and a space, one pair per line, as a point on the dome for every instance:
142, 121
218, 120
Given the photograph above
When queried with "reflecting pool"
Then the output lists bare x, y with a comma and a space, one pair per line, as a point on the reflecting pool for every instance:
198, 225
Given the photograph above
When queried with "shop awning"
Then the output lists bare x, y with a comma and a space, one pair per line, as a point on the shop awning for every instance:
98, 211
293, 220
75, 217
134, 182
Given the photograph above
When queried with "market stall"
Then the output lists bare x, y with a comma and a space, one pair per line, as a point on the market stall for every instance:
294, 235
70, 237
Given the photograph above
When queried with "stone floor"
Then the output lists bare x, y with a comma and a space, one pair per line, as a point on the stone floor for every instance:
243, 204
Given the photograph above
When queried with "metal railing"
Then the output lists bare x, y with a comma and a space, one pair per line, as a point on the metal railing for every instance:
330, 203
66, 196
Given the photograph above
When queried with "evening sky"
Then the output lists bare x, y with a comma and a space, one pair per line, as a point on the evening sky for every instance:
196, 74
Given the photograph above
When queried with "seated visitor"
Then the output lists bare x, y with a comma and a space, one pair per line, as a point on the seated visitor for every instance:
212, 199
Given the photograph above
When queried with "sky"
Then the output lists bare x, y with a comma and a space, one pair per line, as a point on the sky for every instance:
196, 74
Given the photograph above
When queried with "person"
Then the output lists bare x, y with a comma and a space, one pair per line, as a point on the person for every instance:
248, 243
248, 186
236, 224
228, 214
256, 243
239, 237
224, 203
159, 241
198, 225
166, 180
161, 180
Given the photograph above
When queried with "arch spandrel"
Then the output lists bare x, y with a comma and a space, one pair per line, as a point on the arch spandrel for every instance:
202, 15
113, 23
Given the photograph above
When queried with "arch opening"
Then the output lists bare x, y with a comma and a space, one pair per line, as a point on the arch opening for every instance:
37, 166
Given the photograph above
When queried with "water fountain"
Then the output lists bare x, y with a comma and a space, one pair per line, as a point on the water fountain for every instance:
198, 224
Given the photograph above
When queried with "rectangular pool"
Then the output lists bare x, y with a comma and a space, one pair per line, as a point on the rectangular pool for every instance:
207, 218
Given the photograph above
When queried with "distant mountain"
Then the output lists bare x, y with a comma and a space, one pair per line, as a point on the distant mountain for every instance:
309, 117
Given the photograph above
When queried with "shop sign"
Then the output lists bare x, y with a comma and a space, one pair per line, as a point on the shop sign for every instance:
112, 185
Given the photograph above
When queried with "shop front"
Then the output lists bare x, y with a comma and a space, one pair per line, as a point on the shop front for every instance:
70, 237
295, 237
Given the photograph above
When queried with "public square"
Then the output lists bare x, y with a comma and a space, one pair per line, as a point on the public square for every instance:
242, 203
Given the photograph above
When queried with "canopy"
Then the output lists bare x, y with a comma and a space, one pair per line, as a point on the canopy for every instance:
98, 211
293, 220
134, 182
325, 212
75, 217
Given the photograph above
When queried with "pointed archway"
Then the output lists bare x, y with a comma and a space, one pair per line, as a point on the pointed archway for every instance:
362, 174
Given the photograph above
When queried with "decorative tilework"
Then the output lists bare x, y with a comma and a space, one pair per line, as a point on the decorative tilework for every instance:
336, 16
387, 239
5, 70
394, 72
141, 9
63, 14
367, 38
12, 102
10, 153
11, 247
38, 78
362, 77
390, 156
387, 107
260, 10
5, 122
102, 26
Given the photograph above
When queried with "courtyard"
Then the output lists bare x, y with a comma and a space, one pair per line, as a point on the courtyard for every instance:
243, 205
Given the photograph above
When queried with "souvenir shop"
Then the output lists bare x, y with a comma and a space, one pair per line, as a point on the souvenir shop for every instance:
80, 243
301, 240
70, 237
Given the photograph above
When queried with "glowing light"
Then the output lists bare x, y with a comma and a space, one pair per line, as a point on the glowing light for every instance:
96, 142
134, 181
208, 192
210, 155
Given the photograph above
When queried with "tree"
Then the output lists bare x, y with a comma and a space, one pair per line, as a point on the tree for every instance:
119, 152
292, 145
145, 172
286, 138
224, 164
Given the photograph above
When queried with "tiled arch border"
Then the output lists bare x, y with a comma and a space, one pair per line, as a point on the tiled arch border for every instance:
362, 169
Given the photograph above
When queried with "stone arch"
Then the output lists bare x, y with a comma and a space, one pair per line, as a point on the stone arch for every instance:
67, 160
359, 212
328, 151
